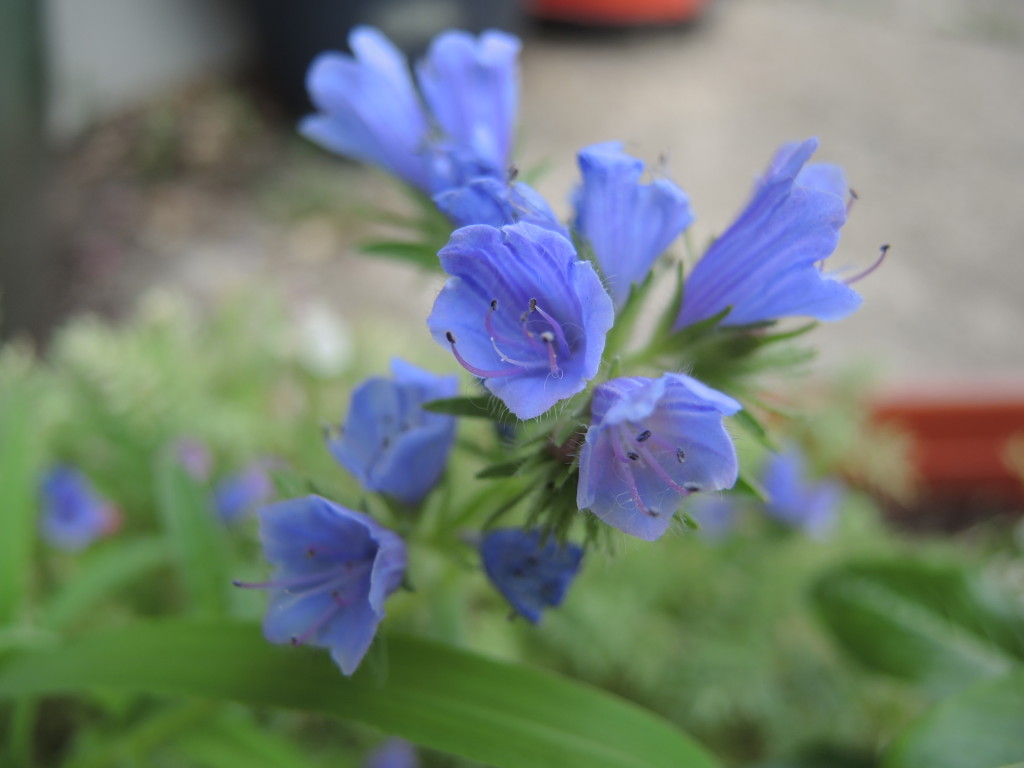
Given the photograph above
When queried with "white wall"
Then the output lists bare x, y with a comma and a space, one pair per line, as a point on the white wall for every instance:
108, 55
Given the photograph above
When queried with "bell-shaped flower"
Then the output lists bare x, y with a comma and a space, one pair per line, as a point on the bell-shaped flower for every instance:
388, 442
488, 200
769, 263
368, 108
333, 570
521, 312
530, 572
651, 443
472, 87
627, 224
73, 514
793, 499
239, 494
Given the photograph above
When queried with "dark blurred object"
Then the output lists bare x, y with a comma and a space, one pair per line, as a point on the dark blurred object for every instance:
26, 297
618, 12
289, 35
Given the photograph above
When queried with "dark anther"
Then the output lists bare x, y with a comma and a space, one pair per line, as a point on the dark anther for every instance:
633, 456
680, 455
310, 552
644, 436
853, 194
294, 640
386, 442
513, 173
692, 487
533, 305
450, 336
494, 305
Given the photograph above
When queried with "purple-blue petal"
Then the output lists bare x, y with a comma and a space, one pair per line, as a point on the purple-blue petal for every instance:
767, 265
368, 108
393, 753
531, 573
73, 514
793, 499
388, 442
627, 224
333, 569
487, 200
495, 276
472, 87
651, 443
241, 493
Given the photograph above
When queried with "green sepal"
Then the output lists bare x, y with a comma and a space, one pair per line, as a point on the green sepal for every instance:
475, 407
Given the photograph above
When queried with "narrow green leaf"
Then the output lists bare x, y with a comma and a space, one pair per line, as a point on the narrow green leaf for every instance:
505, 469
229, 742
501, 714
102, 571
18, 465
754, 428
924, 621
980, 727
196, 537
747, 485
477, 407
419, 254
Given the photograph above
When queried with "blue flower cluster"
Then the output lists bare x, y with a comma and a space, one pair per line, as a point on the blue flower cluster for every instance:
528, 310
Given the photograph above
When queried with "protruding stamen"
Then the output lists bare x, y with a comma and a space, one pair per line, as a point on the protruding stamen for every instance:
552, 357
336, 605
630, 480
854, 197
559, 333
513, 173
659, 470
483, 373
506, 359
494, 305
644, 436
878, 262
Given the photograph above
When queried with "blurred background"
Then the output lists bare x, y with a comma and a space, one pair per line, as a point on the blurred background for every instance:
151, 176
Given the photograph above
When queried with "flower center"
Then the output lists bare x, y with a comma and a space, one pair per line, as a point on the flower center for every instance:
533, 344
637, 448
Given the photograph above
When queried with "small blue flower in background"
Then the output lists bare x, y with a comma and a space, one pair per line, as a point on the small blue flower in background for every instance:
793, 499
627, 224
368, 107
768, 264
715, 513
487, 200
388, 442
472, 87
333, 569
239, 494
195, 458
393, 753
532, 574
523, 313
73, 513
651, 443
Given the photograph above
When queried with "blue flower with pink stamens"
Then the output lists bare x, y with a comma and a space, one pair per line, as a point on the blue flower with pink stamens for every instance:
651, 443
523, 313
333, 570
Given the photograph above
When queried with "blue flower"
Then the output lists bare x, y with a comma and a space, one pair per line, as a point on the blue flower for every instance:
388, 442
487, 200
393, 753
472, 87
368, 107
532, 574
333, 569
627, 224
795, 501
241, 493
523, 313
73, 513
768, 264
651, 443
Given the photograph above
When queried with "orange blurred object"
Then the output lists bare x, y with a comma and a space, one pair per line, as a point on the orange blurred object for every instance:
963, 438
618, 12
